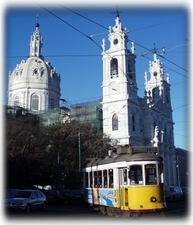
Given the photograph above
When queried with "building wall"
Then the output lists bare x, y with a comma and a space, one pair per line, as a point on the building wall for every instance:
183, 169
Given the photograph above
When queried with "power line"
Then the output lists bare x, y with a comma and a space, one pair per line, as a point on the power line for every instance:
167, 67
181, 107
90, 37
85, 17
130, 31
173, 63
153, 25
58, 56
65, 22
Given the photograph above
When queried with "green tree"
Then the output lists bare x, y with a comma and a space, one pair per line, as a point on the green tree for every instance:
72, 143
49, 155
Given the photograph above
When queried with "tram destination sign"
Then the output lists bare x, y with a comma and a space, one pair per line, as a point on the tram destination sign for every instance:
144, 149
137, 149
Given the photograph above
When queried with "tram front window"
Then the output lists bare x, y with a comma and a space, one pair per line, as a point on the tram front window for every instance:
150, 174
135, 174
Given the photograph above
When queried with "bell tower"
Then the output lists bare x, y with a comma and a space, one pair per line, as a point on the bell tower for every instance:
119, 83
157, 89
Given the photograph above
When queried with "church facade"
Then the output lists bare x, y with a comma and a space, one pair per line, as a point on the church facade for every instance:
127, 118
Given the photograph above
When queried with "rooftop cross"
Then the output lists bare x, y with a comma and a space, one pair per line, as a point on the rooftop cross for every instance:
37, 18
117, 12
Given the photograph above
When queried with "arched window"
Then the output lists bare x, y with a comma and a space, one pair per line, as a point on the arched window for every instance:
129, 71
16, 101
52, 103
155, 92
114, 68
115, 122
34, 103
133, 122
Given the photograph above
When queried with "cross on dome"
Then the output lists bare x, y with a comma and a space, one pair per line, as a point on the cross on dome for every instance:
117, 13
37, 24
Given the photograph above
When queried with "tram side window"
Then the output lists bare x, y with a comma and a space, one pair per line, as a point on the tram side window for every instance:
160, 173
135, 174
100, 178
111, 178
95, 179
87, 179
105, 179
91, 180
150, 174
125, 176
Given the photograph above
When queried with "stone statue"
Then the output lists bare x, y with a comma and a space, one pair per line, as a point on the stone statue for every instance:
155, 140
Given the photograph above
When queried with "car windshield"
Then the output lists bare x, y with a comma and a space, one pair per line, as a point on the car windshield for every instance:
23, 194
11, 193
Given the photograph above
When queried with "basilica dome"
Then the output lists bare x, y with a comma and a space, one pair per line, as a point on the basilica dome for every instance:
34, 84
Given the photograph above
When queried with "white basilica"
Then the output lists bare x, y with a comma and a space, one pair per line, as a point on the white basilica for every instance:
34, 84
127, 118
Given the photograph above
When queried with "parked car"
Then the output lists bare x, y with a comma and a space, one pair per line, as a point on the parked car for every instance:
186, 193
65, 194
76, 196
176, 193
167, 192
26, 200
53, 196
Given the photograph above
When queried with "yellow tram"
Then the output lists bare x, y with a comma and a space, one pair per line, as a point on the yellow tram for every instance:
130, 181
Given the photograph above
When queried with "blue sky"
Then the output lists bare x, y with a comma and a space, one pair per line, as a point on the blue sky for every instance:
77, 58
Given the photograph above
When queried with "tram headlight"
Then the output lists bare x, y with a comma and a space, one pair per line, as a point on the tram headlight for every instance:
153, 199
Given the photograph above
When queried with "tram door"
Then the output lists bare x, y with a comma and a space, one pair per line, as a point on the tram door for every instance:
123, 188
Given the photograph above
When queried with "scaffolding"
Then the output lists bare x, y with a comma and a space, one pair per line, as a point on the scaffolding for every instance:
88, 112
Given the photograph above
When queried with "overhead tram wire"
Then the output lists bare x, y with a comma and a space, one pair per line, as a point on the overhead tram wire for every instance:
55, 56
153, 25
85, 17
173, 63
150, 51
130, 32
165, 66
89, 37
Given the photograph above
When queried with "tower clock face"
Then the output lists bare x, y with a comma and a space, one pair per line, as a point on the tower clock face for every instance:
113, 87
155, 74
115, 41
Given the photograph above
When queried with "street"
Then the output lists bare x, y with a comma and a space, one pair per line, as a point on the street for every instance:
176, 211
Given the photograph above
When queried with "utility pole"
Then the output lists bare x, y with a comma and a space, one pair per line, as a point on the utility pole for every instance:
178, 171
79, 150
58, 171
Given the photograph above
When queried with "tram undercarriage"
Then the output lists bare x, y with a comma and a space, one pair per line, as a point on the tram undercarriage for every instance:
117, 212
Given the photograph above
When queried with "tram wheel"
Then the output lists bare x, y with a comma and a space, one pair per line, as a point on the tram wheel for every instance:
110, 212
135, 214
103, 210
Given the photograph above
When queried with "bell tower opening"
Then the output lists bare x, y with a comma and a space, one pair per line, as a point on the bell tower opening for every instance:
114, 68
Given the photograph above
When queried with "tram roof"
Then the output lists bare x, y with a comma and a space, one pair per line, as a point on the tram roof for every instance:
124, 157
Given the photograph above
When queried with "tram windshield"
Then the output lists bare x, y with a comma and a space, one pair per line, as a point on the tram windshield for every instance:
150, 174
154, 174
135, 174
146, 174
